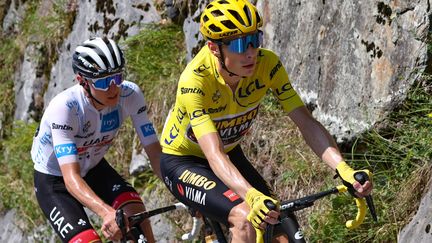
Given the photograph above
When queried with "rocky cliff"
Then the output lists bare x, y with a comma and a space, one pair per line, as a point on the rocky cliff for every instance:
351, 61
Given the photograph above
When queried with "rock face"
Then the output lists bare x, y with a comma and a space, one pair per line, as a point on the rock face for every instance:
351, 61
420, 227
115, 18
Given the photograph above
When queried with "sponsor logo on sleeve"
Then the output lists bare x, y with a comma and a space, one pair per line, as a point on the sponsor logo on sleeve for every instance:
275, 69
65, 149
110, 121
184, 90
127, 89
285, 92
142, 109
71, 104
148, 130
56, 126
202, 70
45, 139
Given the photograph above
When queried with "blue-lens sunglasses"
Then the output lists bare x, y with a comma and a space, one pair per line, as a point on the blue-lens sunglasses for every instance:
105, 82
241, 44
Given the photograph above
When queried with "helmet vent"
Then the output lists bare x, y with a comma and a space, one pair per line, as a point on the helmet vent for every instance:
229, 24
205, 18
223, 2
217, 13
248, 13
214, 28
258, 17
238, 17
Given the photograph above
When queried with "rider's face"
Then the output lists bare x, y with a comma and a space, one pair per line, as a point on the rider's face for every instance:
110, 97
242, 64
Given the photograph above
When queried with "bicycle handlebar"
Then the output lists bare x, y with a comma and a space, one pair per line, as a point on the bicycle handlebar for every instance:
301, 203
139, 217
361, 210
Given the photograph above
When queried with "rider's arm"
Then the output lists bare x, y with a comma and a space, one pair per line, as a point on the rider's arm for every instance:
219, 162
79, 189
316, 136
136, 106
76, 186
154, 151
224, 169
322, 143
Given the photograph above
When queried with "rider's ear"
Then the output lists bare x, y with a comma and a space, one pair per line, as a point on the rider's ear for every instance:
214, 48
81, 80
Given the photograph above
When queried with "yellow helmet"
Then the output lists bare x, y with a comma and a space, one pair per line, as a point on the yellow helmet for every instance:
224, 18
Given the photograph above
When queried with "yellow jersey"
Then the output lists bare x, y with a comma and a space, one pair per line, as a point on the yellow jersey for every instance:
205, 103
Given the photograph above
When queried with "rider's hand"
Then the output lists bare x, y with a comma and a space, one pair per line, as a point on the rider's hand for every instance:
346, 173
258, 210
110, 228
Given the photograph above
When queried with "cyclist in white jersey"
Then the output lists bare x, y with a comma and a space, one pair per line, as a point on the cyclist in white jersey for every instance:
76, 130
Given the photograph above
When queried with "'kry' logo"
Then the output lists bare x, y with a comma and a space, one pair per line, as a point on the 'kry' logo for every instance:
110, 121
65, 149
147, 129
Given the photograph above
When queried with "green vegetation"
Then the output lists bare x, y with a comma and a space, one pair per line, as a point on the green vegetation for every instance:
9, 58
400, 155
16, 174
154, 59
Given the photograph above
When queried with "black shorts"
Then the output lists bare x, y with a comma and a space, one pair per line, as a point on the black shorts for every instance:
191, 180
66, 214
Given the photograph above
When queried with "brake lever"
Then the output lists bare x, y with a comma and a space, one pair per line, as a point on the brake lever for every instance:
268, 234
120, 220
362, 177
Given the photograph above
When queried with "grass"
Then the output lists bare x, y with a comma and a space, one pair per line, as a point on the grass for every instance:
16, 174
9, 57
399, 153
154, 61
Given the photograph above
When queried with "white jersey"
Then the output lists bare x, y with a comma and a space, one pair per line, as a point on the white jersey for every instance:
73, 130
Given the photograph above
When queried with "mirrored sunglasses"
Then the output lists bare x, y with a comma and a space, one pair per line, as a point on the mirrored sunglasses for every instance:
241, 44
105, 82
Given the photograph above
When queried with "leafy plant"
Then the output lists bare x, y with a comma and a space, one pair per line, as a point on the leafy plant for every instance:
16, 173
400, 155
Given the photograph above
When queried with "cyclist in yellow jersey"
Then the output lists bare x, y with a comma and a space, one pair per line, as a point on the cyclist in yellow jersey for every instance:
217, 100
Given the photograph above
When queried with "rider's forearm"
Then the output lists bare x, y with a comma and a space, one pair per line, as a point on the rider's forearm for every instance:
228, 173
221, 165
79, 189
322, 143
324, 146
154, 151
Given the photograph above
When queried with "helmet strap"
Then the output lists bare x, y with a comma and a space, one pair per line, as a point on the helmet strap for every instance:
221, 60
84, 83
